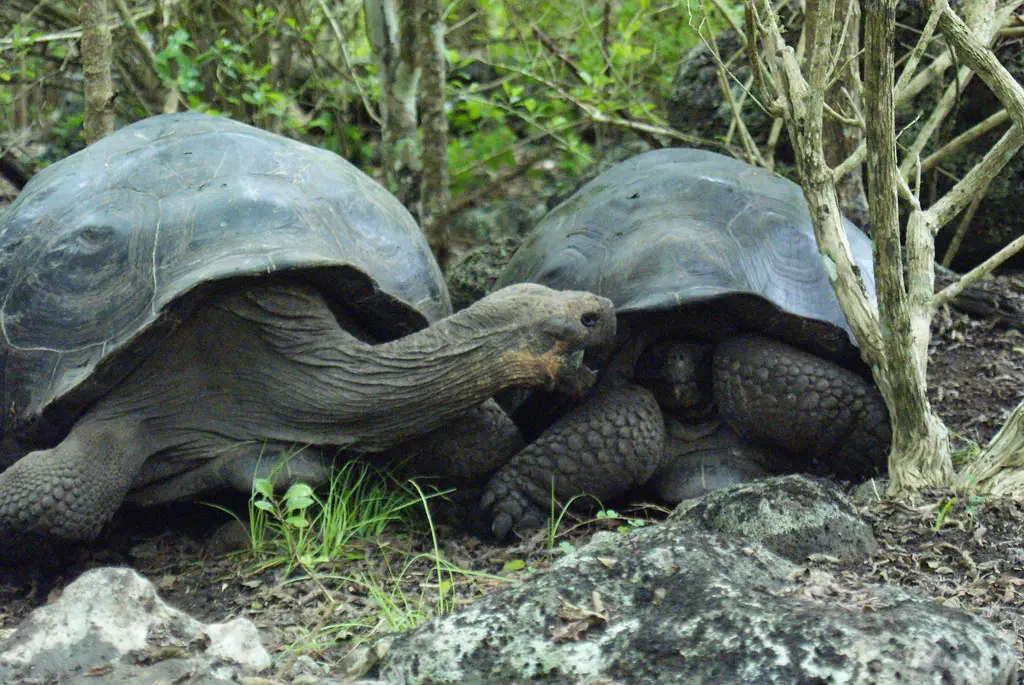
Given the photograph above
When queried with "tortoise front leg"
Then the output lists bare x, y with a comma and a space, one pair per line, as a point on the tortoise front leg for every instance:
463, 452
72, 490
777, 396
604, 448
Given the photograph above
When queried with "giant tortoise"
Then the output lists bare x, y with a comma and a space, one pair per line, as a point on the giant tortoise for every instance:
191, 297
727, 322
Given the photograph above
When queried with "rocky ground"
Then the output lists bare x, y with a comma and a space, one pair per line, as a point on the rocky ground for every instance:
966, 553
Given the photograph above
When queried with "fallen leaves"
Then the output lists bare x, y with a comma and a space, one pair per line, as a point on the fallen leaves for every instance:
578, 619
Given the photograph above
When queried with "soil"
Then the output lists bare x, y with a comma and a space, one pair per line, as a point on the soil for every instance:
966, 553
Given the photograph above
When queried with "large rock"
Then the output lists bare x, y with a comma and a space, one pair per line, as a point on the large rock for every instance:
666, 605
793, 516
109, 626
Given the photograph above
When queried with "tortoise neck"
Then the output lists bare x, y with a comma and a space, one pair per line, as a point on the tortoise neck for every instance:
417, 383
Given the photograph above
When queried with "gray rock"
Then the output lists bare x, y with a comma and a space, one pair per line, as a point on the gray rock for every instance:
109, 626
793, 516
667, 605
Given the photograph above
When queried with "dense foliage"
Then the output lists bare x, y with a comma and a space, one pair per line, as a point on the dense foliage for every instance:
520, 73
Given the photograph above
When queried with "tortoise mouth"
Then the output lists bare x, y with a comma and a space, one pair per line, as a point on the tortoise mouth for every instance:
578, 377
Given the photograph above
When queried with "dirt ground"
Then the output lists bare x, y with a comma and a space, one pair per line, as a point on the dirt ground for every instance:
967, 553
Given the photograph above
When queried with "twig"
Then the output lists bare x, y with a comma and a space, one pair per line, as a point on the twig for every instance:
723, 76
367, 105
68, 34
914, 58
171, 94
978, 272
550, 46
960, 195
942, 108
962, 140
457, 204
961, 229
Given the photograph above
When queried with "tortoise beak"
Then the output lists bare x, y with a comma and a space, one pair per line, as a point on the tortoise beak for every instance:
578, 378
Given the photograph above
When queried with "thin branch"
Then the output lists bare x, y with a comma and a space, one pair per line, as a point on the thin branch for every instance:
960, 195
501, 180
961, 141
977, 273
914, 58
69, 34
963, 226
351, 74
171, 94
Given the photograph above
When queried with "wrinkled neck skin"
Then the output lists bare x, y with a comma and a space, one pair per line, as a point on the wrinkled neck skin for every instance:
416, 384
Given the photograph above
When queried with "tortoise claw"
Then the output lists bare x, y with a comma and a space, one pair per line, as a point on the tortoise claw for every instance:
512, 511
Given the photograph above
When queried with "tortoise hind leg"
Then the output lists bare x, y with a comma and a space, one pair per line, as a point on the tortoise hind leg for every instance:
778, 396
604, 448
234, 467
66, 492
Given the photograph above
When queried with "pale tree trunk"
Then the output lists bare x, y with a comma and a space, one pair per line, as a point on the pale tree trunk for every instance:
96, 59
894, 337
390, 25
999, 469
920, 455
434, 120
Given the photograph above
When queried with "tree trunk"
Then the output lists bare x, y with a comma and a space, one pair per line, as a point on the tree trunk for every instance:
390, 26
434, 120
96, 59
999, 469
920, 455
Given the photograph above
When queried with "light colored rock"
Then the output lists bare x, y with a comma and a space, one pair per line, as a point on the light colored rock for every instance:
669, 605
112, 621
793, 516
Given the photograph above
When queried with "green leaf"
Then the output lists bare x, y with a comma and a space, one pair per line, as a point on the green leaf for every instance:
299, 490
566, 547
297, 521
263, 487
514, 565
263, 505
298, 503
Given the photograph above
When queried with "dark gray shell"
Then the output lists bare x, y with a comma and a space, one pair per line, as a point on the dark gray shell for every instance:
105, 250
681, 227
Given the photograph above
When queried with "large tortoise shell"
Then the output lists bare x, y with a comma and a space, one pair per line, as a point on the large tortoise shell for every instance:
105, 250
680, 227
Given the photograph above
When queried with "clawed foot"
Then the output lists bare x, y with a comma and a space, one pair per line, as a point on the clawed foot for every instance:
510, 509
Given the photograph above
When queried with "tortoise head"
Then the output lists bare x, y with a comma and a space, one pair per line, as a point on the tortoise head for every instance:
549, 331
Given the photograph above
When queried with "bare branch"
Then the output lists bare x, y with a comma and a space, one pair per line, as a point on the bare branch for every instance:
960, 195
961, 141
977, 273
350, 72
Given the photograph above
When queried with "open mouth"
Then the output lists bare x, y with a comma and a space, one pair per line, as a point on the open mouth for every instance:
578, 377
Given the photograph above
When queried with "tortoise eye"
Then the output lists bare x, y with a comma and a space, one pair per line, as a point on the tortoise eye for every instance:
93, 236
590, 319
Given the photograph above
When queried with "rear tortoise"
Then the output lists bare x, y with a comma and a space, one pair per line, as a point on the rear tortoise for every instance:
188, 299
727, 324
